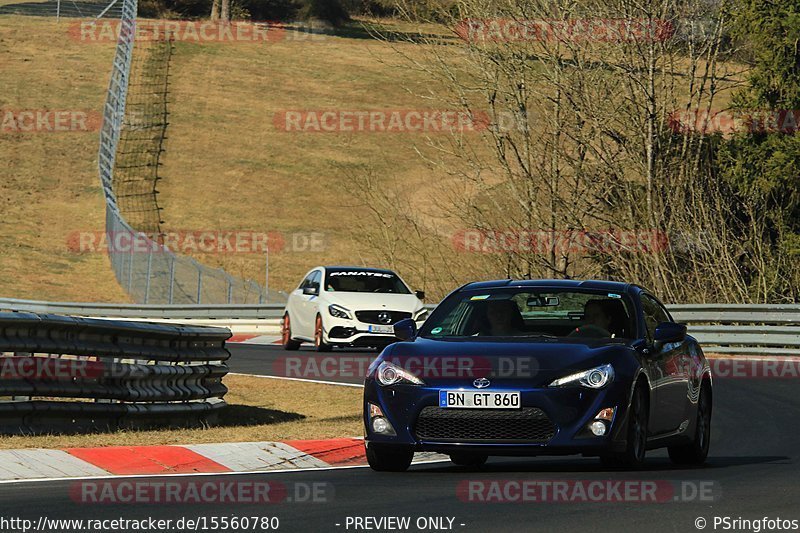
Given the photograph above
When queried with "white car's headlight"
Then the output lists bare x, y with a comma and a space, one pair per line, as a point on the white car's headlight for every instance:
389, 374
422, 314
339, 312
596, 378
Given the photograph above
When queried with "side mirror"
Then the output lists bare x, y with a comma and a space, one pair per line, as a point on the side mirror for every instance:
420, 294
310, 291
405, 329
667, 332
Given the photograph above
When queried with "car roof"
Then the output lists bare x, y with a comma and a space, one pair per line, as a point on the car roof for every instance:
337, 267
615, 286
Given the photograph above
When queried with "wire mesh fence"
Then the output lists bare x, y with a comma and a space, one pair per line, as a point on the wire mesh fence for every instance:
135, 119
83, 9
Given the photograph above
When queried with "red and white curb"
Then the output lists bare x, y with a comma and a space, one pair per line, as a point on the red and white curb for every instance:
241, 457
254, 338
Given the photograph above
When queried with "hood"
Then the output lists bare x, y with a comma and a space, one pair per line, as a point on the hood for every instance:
366, 301
459, 362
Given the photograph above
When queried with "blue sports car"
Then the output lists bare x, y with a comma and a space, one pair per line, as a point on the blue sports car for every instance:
540, 367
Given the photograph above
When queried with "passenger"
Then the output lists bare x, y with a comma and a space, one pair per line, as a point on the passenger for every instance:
504, 318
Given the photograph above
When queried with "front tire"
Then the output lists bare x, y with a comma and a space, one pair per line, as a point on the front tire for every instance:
636, 444
319, 340
696, 452
286, 335
389, 458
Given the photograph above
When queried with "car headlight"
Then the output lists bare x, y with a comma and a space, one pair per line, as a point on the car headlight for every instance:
422, 314
389, 374
339, 312
596, 378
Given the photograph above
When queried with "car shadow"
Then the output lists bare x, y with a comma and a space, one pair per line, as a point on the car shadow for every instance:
589, 465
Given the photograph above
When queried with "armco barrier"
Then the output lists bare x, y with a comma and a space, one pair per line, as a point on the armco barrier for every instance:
743, 329
67, 374
721, 328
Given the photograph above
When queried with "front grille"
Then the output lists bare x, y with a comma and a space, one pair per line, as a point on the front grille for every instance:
528, 424
371, 317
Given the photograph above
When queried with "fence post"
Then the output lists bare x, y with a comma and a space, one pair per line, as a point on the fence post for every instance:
130, 267
230, 291
149, 272
171, 278
199, 285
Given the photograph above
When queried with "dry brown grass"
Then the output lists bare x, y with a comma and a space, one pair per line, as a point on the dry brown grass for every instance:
226, 166
49, 185
260, 409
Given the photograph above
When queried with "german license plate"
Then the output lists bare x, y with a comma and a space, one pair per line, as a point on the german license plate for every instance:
381, 329
479, 399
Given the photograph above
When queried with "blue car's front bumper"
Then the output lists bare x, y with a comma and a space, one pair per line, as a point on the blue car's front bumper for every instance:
570, 409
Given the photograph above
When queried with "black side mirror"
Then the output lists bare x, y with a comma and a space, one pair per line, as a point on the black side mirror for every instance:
405, 329
311, 291
667, 332
420, 294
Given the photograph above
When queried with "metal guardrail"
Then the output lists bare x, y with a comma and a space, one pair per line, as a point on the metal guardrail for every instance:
176, 311
70, 374
721, 328
743, 329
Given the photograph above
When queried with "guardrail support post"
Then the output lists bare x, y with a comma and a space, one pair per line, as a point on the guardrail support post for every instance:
149, 272
171, 278
130, 270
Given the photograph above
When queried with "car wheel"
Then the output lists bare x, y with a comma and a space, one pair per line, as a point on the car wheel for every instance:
319, 341
636, 444
286, 334
468, 459
695, 452
389, 458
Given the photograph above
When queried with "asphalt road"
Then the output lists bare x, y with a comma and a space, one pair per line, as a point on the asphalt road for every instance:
752, 473
306, 363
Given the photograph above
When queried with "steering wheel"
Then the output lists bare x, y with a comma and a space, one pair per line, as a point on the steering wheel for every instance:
589, 330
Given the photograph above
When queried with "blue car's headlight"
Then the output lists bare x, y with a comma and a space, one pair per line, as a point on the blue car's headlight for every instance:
389, 374
596, 378
339, 312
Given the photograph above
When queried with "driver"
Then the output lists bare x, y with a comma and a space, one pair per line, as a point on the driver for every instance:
596, 321
594, 314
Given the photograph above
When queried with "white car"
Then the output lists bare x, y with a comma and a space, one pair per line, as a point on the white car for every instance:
348, 306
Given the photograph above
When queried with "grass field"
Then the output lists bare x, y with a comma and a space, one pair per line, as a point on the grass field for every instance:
260, 409
226, 166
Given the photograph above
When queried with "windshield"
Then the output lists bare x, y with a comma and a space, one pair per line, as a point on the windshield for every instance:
527, 313
362, 280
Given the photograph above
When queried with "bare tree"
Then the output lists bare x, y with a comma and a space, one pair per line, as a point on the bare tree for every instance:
580, 99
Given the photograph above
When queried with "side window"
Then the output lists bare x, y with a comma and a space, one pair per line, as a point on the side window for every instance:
307, 281
654, 314
316, 277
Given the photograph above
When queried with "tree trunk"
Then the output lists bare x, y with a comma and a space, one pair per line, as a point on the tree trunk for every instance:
215, 10
225, 14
